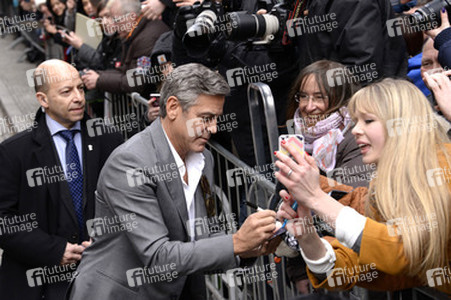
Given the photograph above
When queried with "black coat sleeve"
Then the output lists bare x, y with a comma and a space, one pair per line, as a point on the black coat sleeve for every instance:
35, 247
443, 44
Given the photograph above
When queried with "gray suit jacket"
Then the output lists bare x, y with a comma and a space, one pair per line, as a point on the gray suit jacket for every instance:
153, 232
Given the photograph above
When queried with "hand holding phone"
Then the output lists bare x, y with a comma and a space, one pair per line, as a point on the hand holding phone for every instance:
156, 103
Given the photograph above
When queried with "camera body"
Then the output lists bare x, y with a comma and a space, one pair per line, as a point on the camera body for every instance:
206, 21
430, 12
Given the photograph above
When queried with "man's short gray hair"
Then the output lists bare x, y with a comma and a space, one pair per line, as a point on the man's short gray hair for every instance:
126, 6
189, 81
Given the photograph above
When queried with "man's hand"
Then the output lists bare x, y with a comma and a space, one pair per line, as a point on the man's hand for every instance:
152, 111
86, 244
72, 254
49, 27
90, 79
266, 248
153, 9
445, 24
73, 40
255, 231
440, 86
180, 3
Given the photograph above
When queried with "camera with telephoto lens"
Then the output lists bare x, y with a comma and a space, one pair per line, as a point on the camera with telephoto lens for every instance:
262, 29
430, 12
209, 21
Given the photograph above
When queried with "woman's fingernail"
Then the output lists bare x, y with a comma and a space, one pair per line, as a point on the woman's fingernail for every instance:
283, 142
306, 153
286, 197
275, 152
443, 10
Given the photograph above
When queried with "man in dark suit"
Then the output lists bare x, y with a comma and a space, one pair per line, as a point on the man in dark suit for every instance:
161, 182
48, 175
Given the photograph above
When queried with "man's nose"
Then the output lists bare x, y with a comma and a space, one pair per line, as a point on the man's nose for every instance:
212, 126
79, 95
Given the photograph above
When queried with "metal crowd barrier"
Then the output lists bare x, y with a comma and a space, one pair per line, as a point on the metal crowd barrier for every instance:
262, 112
25, 36
121, 108
237, 182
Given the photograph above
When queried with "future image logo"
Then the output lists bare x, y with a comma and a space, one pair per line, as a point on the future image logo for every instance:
340, 277
40, 276
94, 28
259, 73
311, 24
409, 25
438, 276
147, 275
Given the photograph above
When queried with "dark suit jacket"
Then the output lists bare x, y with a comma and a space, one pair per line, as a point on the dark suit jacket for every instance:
50, 202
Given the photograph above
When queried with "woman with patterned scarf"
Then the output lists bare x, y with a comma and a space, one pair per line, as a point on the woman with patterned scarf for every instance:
317, 110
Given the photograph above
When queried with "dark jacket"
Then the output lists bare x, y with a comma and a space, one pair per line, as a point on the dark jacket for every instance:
162, 46
169, 13
443, 44
56, 223
361, 37
104, 57
138, 45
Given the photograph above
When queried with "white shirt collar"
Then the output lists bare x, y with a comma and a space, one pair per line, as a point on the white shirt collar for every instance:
197, 159
55, 127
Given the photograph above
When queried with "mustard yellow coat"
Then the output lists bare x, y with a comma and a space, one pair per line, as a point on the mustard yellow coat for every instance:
381, 264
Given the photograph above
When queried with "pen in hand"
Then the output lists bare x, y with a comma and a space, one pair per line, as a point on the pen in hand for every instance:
254, 206
294, 207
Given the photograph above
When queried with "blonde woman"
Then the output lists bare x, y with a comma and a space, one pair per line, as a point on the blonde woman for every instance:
403, 241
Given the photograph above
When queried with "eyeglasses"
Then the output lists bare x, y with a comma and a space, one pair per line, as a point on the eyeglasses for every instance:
304, 98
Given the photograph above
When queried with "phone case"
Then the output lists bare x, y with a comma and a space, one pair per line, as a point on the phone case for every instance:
293, 139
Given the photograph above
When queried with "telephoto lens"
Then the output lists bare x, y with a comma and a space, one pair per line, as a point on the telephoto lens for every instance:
430, 12
249, 26
200, 34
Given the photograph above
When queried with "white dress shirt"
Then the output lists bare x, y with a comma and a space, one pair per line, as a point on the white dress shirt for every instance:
195, 163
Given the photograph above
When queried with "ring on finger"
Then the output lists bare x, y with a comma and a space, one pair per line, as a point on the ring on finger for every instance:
289, 172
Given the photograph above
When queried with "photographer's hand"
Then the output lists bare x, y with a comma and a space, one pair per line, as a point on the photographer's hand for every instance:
440, 86
152, 111
445, 24
153, 9
49, 27
72, 39
180, 3
90, 79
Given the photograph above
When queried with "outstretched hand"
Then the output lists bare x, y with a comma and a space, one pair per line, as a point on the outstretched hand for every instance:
300, 175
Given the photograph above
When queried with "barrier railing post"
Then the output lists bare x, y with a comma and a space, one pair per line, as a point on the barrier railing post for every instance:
263, 115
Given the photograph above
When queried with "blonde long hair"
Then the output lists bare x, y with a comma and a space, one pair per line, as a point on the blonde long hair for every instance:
401, 188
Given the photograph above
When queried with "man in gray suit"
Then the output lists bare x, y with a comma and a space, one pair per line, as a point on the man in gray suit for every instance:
151, 195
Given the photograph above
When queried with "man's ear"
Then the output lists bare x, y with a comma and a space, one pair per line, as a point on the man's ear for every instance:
42, 99
172, 108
